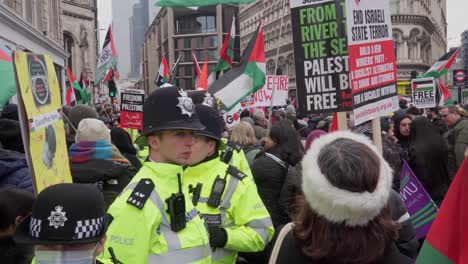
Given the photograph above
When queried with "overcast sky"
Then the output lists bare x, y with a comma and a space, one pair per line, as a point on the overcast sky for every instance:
457, 12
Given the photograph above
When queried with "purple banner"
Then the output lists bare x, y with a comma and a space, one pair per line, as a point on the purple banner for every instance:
417, 201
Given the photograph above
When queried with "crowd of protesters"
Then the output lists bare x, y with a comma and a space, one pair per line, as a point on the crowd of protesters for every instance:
307, 177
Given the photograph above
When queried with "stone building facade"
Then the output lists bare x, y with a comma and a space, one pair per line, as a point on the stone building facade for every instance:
34, 26
178, 32
420, 37
79, 23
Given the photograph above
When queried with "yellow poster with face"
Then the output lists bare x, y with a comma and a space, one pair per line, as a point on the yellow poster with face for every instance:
41, 120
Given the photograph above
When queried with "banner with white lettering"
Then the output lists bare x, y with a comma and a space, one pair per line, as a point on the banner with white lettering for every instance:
131, 109
417, 201
321, 55
371, 59
263, 96
424, 94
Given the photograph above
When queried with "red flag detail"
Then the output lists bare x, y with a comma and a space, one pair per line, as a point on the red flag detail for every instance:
334, 124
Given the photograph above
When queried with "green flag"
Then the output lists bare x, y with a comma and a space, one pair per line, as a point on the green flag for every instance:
7, 75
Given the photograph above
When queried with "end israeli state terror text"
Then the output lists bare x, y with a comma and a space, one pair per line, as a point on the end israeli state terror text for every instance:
367, 31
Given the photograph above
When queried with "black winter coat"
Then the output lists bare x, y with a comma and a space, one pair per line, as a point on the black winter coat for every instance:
270, 176
291, 252
12, 253
114, 176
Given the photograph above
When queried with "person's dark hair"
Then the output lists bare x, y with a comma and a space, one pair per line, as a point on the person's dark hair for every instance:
435, 110
340, 244
121, 139
384, 124
354, 167
413, 111
397, 121
245, 113
14, 202
288, 142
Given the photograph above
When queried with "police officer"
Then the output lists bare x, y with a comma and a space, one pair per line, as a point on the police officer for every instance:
230, 152
225, 197
67, 225
154, 220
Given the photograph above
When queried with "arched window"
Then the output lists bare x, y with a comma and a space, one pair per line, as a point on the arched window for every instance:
69, 44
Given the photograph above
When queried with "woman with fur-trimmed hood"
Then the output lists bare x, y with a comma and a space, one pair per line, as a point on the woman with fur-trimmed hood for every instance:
344, 215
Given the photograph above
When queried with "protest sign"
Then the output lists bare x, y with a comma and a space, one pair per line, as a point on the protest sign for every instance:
321, 56
424, 95
417, 201
41, 120
371, 59
232, 117
263, 97
131, 109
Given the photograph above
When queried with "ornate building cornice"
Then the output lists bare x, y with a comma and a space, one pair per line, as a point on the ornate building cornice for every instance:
422, 21
72, 14
80, 5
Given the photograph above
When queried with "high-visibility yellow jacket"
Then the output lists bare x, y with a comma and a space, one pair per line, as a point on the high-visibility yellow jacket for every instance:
241, 212
144, 235
237, 158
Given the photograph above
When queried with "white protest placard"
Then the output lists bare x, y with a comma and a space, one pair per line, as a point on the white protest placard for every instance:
372, 60
423, 91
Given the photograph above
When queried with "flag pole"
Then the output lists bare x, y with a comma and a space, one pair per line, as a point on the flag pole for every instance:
276, 66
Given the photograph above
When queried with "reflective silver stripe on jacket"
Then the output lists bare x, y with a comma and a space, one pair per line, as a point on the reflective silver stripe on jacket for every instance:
181, 255
277, 160
221, 253
260, 226
174, 246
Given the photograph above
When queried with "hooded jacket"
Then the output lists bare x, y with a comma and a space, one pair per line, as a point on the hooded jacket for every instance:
14, 170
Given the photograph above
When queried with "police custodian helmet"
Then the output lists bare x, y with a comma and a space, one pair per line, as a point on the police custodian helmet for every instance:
168, 108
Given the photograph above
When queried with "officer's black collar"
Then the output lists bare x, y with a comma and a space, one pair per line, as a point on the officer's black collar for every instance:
211, 157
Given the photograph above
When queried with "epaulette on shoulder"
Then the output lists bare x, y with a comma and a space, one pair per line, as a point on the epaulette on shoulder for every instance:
141, 193
234, 145
234, 172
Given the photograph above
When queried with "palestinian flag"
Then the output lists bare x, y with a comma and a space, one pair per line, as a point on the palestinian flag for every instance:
445, 95
163, 73
226, 55
441, 66
169, 3
203, 77
85, 87
173, 73
244, 79
107, 59
7, 75
447, 240
74, 88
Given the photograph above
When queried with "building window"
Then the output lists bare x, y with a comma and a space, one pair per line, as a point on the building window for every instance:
395, 45
196, 24
16, 5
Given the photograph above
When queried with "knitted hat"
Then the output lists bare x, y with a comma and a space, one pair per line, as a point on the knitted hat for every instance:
336, 204
80, 112
290, 110
10, 111
91, 129
10, 135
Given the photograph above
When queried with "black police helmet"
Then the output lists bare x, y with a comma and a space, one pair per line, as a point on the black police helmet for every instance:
168, 108
65, 214
212, 120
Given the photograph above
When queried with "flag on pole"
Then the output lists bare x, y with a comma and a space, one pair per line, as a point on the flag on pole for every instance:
173, 73
445, 95
203, 77
70, 97
196, 65
226, 55
7, 73
246, 78
442, 65
447, 240
163, 73
169, 3
85, 87
107, 59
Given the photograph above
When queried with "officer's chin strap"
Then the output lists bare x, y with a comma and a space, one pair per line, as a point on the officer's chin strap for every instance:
114, 258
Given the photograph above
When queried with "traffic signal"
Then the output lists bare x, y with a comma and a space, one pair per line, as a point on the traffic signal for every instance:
112, 88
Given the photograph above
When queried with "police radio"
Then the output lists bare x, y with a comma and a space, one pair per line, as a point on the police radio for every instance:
196, 193
176, 208
217, 191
